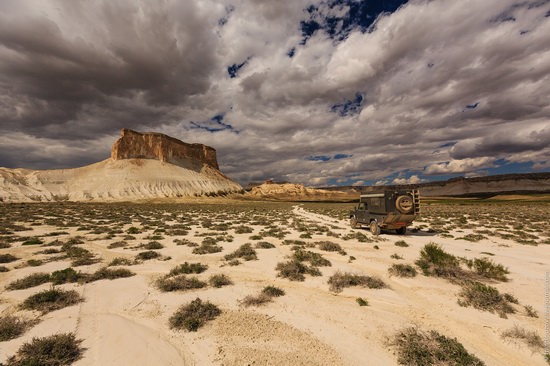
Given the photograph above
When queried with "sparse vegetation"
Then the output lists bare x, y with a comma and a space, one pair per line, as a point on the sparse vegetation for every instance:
273, 291
362, 302
147, 255
530, 311
7, 258
32, 280
258, 300
341, 280
194, 315
120, 261
219, 280
67, 275
179, 283
417, 348
264, 245
401, 243
58, 349
434, 261
486, 298
52, 299
402, 270
245, 252
188, 268
295, 270
12, 327
489, 269
529, 337
109, 274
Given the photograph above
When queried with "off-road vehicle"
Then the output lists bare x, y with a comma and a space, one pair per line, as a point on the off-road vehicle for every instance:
386, 209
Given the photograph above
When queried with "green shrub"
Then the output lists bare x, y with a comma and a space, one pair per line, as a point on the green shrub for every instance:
179, 283
401, 243
340, 280
67, 275
194, 315
434, 261
118, 244
264, 245
484, 297
295, 270
12, 327
417, 348
315, 259
58, 349
7, 258
109, 274
4, 269
402, 270
362, 302
273, 291
152, 245
50, 300
245, 252
207, 248
188, 268
219, 280
147, 255
488, 269
33, 241
34, 262
120, 261
32, 280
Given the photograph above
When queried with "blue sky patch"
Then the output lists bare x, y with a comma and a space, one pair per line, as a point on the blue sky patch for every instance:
215, 124
342, 156
318, 158
449, 144
349, 107
472, 106
234, 69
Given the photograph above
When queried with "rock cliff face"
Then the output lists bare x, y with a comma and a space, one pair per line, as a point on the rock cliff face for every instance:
143, 166
150, 145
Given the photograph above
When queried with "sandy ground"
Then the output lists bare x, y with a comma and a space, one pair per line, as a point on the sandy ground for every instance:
125, 321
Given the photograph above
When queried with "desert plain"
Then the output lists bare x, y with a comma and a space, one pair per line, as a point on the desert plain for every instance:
285, 283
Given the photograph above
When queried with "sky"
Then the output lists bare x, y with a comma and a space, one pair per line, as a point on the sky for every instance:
331, 92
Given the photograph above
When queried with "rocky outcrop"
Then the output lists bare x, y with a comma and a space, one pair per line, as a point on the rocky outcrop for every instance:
143, 166
152, 145
294, 192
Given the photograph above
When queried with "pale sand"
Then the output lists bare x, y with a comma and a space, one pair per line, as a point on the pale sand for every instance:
125, 321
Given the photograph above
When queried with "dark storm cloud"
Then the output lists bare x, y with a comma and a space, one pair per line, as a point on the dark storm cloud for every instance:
410, 89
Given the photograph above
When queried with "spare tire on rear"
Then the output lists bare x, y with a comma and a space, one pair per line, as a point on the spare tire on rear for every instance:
404, 204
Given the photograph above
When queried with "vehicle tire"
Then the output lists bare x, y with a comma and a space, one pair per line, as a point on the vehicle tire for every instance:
401, 230
404, 204
353, 223
374, 228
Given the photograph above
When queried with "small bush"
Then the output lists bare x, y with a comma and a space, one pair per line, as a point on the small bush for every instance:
188, 268
402, 270
50, 300
261, 299
34, 262
33, 241
219, 280
273, 291
401, 243
12, 327
264, 245
58, 349
4, 269
207, 248
67, 275
315, 259
7, 258
329, 246
120, 261
110, 274
488, 269
118, 244
32, 280
484, 297
362, 302
194, 315
234, 262
340, 280
133, 230
245, 252
295, 270
434, 261
417, 348
152, 245
529, 337
147, 255
179, 283
530, 311
396, 256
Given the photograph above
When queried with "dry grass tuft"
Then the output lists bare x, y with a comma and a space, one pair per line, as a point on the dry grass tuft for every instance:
340, 280
58, 349
194, 315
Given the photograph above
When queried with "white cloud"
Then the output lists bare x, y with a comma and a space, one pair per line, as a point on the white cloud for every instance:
459, 166
359, 183
160, 65
414, 179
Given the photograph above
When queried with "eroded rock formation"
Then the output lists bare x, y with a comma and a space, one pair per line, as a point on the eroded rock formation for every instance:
151, 145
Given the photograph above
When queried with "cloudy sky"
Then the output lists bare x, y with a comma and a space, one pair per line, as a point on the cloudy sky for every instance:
318, 92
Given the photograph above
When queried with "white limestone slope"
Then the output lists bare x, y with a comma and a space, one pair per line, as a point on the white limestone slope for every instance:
108, 180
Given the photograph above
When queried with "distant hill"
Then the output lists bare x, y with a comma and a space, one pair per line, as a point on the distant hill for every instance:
142, 165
